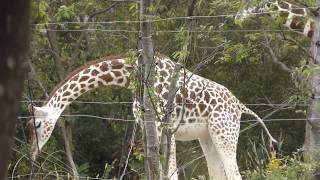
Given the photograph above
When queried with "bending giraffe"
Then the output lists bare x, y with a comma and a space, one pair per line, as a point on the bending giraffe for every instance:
212, 112
295, 17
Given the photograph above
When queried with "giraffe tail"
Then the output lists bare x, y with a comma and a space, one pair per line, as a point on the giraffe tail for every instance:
246, 110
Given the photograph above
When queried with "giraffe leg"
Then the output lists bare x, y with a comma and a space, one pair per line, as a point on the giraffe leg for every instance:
215, 166
172, 171
225, 139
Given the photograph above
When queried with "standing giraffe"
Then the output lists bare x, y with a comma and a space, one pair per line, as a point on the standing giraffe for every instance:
296, 18
212, 112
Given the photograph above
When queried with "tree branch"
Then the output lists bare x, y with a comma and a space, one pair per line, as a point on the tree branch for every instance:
274, 57
298, 44
84, 32
35, 77
92, 15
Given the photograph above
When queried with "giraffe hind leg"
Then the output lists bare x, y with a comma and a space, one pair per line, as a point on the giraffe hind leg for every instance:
215, 166
225, 140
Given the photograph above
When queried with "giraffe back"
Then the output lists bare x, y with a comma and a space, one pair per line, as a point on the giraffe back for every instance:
197, 100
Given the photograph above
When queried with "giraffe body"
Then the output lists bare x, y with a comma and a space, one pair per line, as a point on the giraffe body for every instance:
211, 112
296, 18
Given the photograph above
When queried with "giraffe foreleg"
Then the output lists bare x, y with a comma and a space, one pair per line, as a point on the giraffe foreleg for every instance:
172, 168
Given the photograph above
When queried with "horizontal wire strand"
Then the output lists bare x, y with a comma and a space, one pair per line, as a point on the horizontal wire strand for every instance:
160, 19
174, 31
133, 120
131, 102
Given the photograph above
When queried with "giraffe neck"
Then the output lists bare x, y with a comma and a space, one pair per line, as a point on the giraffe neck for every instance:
104, 72
294, 17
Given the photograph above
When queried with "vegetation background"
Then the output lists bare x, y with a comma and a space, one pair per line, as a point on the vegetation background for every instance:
69, 33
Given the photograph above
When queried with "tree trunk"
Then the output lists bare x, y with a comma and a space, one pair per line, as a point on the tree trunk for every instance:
14, 40
67, 136
152, 163
312, 137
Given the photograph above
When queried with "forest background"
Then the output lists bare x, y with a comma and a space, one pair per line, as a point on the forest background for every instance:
262, 63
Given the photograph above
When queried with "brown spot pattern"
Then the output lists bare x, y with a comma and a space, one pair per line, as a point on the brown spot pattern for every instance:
65, 87
66, 93
117, 73
91, 80
91, 86
116, 64
120, 81
94, 72
283, 5
75, 78
72, 86
86, 71
83, 78
107, 78
104, 67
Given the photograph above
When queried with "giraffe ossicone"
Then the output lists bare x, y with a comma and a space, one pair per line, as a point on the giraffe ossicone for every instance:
211, 112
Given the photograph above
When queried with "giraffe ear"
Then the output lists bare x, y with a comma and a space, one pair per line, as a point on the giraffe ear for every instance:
36, 110
30, 108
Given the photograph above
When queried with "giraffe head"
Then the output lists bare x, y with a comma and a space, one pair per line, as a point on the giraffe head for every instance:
40, 127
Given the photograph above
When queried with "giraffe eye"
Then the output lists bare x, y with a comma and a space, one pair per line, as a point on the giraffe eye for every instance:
38, 125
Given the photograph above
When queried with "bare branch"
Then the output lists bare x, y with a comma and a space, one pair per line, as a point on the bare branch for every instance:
274, 57
92, 15
35, 77
286, 38
124, 1
84, 32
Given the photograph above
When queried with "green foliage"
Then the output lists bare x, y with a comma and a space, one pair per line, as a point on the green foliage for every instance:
84, 168
108, 168
300, 78
40, 16
291, 168
65, 12
136, 160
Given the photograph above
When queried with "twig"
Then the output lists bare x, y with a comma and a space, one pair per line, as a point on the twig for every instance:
274, 56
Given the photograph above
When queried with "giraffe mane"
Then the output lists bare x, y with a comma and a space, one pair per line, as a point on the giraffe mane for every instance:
76, 71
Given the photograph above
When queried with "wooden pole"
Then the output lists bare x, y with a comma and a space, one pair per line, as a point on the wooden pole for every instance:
14, 44
152, 163
312, 137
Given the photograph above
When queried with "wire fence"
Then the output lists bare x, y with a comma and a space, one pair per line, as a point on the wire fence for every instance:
233, 15
55, 175
193, 123
131, 102
63, 29
178, 31
275, 106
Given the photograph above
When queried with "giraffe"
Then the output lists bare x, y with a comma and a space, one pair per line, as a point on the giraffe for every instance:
211, 112
295, 17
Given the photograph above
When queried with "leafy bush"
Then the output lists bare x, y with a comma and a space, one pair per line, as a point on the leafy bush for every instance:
288, 168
